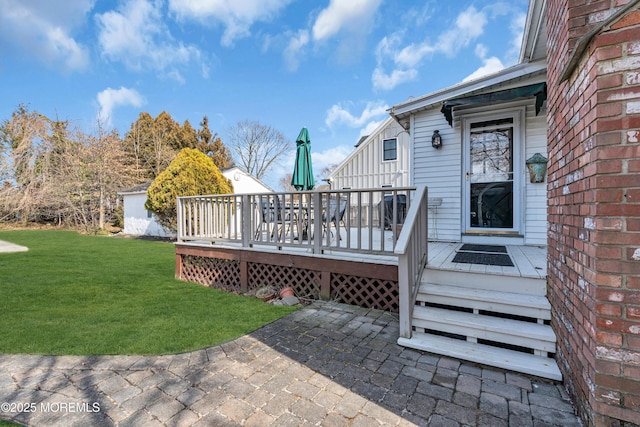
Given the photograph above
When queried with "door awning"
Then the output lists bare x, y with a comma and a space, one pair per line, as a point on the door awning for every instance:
539, 90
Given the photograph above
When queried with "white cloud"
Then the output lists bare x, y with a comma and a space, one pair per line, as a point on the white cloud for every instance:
109, 99
320, 160
384, 81
339, 115
136, 36
352, 15
237, 16
370, 127
294, 50
517, 29
405, 61
491, 65
328, 157
44, 29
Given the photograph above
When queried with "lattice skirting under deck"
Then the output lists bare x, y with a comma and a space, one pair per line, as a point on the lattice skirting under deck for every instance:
239, 270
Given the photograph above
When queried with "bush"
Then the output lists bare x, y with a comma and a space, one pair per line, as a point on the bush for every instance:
191, 173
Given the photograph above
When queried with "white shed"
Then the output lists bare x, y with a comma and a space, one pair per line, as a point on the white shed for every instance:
137, 220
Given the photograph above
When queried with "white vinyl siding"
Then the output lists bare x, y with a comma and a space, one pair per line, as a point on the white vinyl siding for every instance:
441, 170
535, 203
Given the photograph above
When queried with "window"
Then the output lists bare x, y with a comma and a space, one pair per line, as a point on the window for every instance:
149, 214
390, 149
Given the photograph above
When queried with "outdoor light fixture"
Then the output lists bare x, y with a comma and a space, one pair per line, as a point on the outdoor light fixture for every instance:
436, 139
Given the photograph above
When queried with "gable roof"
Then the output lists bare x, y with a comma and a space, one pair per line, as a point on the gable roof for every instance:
534, 38
515, 74
532, 63
136, 189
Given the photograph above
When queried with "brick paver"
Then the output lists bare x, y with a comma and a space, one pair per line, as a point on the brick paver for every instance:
327, 364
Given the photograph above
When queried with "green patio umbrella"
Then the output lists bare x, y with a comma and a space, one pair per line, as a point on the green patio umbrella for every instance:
302, 178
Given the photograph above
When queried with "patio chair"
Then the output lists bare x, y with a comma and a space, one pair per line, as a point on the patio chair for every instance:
271, 218
337, 216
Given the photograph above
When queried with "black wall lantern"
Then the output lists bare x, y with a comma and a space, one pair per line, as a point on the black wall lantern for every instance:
436, 139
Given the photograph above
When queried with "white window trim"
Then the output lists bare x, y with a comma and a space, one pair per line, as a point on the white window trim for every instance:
389, 139
517, 112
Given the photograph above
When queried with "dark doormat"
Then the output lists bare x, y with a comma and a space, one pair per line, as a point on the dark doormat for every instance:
484, 248
483, 258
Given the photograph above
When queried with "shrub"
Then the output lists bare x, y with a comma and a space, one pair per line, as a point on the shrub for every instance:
191, 173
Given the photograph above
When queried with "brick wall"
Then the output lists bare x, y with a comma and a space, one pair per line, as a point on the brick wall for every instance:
594, 205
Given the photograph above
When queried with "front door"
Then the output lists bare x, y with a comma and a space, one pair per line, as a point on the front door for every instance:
490, 187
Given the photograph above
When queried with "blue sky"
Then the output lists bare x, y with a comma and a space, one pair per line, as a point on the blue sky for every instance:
334, 66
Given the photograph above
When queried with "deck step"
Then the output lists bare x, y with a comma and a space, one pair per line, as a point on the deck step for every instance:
528, 335
533, 306
486, 281
539, 366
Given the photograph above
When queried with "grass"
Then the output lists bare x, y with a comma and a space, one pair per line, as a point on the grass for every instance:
86, 295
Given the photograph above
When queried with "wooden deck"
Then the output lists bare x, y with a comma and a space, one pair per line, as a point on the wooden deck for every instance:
529, 261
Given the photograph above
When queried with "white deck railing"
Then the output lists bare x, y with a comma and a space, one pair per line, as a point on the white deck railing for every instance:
412, 251
363, 221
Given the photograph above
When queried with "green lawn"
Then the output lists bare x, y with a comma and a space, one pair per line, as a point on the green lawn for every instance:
81, 295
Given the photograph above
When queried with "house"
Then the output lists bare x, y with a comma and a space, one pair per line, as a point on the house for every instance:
593, 193
243, 182
488, 128
567, 307
380, 159
140, 222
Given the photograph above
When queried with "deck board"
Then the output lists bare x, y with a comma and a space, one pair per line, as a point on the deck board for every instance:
529, 261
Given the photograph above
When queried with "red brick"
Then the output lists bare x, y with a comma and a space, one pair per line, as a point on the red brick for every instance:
632, 195
608, 138
620, 210
618, 94
625, 385
609, 110
633, 313
608, 81
632, 18
608, 167
614, 266
587, 9
633, 224
626, 122
632, 371
613, 281
608, 367
609, 338
608, 52
608, 252
609, 310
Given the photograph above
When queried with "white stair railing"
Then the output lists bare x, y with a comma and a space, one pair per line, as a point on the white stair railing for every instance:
412, 252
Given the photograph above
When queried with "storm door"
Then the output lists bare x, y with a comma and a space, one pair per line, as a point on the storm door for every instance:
490, 190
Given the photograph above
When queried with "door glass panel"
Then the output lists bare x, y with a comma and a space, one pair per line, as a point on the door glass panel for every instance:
491, 174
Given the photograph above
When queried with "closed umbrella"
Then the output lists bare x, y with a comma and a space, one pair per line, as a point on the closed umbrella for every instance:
302, 178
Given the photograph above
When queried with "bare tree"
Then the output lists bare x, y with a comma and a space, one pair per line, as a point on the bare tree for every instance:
285, 183
26, 142
257, 147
